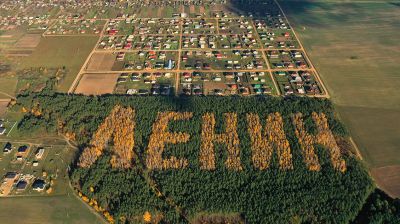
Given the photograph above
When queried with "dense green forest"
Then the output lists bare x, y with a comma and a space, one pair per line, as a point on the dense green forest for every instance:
184, 195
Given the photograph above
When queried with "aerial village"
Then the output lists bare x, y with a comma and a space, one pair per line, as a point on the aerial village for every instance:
165, 48
176, 47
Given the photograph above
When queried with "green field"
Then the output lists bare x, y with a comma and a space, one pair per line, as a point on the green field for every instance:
47, 209
8, 86
70, 52
355, 47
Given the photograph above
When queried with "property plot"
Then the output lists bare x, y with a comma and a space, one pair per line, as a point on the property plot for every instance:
120, 27
139, 42
157, 26
97, 84
275, 38
235, 26
223, 60
149, 60
297, 82
8, 87
101, 62
199, 26
28, 41
146, 83
3, 107
294, 59
66, 51
76, 27
226, 83
232, 41
388, 178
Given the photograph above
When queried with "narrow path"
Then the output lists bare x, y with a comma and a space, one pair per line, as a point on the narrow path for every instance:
161, 195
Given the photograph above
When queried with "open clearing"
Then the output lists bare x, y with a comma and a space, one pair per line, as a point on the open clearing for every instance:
97, 84
355, 47
388, 178
8, 87
70, 52
28, 41
101, 62
48, 209
3, 107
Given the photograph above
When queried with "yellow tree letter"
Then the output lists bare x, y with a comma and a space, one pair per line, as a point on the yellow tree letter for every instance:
230, 138
264, 142
160, 136
120, 125
323, 137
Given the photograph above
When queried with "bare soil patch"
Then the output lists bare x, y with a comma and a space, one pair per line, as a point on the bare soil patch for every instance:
209, 87
159, 12
19, 53
202, 9
388, 179
101, 62
192, 9
97, 84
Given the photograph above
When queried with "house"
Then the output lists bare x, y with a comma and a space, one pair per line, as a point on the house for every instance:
22, 149
39, 153
10, 175
7, 148
39, 185
21, 185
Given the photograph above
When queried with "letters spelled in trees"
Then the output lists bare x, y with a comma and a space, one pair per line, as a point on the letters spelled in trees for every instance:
160, 136
263, 142
230, 138
324, 137
120, 125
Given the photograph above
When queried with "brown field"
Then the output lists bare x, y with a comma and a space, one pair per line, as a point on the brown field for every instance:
192, 9
101, 62
159, 12
3, 107
19, 53
97, 84
202, 9
28, 41
210, 86
388, 178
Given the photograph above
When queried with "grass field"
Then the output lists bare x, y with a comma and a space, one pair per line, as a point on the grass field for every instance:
8, 86
355, 47
70, 52
48, 209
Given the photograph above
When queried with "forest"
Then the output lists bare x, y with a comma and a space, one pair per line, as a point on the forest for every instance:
289, 171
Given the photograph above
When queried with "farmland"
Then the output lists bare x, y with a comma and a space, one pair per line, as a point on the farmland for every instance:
211, 111
70, 52
362, 75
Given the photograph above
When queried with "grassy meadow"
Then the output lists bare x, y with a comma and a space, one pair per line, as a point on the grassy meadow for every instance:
46, 209
70, 52
355, 47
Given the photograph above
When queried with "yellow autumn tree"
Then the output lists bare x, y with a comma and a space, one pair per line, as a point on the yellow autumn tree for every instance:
230, 138
160, 136
147, 216
120, 125
323, 137
264, 142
